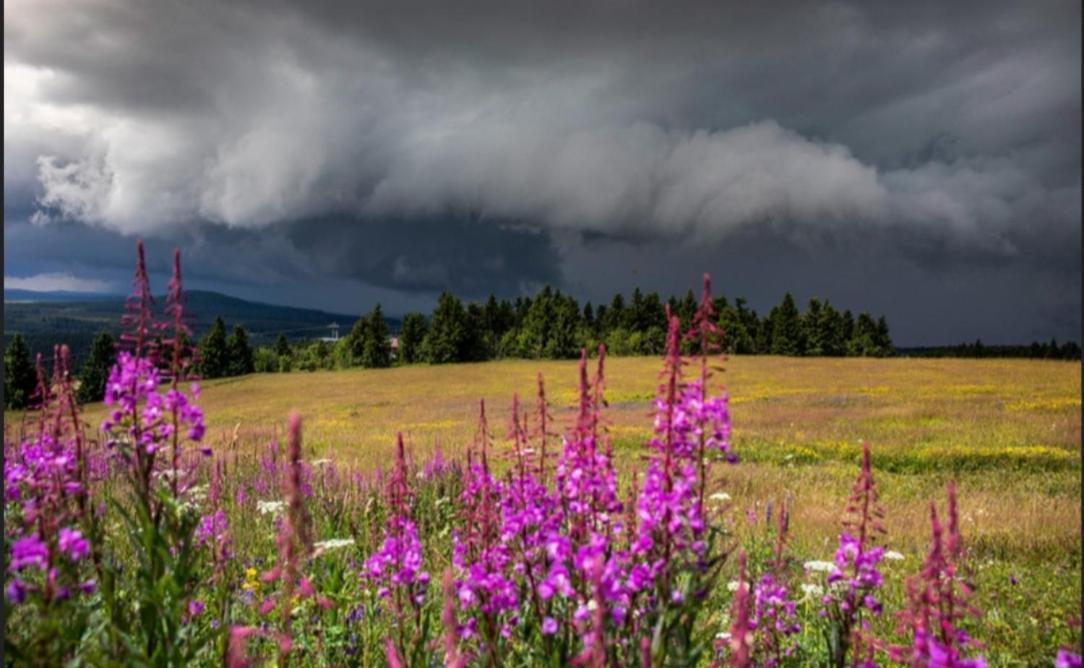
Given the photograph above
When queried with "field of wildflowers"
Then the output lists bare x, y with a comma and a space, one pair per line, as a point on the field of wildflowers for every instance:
143, 540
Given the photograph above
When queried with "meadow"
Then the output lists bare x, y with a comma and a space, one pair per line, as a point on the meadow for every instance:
673, 523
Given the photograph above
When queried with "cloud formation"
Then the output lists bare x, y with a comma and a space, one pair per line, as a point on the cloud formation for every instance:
485, 145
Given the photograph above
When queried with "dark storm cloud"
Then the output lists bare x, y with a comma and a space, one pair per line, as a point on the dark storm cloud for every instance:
938, 138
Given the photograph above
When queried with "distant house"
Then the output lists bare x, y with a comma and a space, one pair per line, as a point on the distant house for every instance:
394, 344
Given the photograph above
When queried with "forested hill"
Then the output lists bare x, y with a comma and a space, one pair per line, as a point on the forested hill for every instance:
75, 319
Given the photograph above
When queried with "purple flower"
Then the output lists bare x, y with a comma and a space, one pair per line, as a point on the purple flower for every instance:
16, 591
29, 551
1066, 659
195, 608
72, 543
549, 626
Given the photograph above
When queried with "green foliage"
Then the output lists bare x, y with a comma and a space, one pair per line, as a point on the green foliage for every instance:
95, 372
447, 336
239, 361
411, 336
376, 348
264, 360
214, 351
20, 378
787, 336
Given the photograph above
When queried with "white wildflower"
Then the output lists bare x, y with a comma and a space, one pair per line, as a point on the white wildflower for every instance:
321, 462
733, 585
331, 544
721, 497
821, 566
269, 507
893, 555
812, 589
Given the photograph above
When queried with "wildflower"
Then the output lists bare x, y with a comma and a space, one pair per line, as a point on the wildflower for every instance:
195, 608
269, 507
893, 555
820, 566
72, 543
1066, 659
16, 591
29, 551
811, 590
938, 600
332, 544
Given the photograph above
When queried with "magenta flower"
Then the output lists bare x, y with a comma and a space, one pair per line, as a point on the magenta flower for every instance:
72, 543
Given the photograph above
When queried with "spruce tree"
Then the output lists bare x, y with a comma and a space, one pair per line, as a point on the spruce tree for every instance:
411, 336
95, 372
445, 339
213, 351
864, 340
882, 339
239, 354
355, 340
20, 378
376, 351
811, 326
786, 328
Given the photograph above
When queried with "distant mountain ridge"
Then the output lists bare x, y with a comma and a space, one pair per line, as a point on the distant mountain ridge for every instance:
48, 318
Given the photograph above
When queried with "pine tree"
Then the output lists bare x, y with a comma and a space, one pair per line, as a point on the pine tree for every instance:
411, 336
95, 372
213, 351
376, 351
811, 326
830, 331
20, 378
881, 339
355, 341
846, 332
863, 341
444, 342
239, 354
786, 328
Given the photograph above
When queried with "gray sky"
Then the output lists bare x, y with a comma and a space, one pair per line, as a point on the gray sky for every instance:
920, 160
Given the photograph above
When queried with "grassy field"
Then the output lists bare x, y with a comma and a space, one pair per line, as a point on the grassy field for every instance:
1007, 430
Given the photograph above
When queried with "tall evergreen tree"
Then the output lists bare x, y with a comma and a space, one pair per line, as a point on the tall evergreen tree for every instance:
95, 372
830, 331
20, 378
410, 337
864, 340
786, 328
376, 350
846, 332
213, 351
444, 342
239, 353
356, 340
811, 326
561, 342
881, 339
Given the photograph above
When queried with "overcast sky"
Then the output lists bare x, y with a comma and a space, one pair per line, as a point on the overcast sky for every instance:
916, 159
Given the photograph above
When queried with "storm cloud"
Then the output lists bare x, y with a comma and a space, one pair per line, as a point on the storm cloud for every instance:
403, 149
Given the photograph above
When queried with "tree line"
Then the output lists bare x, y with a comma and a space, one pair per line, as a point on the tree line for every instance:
550, 325
218, 356
553, 325
1051, 350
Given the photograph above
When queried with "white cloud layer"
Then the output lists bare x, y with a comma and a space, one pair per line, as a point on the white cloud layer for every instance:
55, 282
